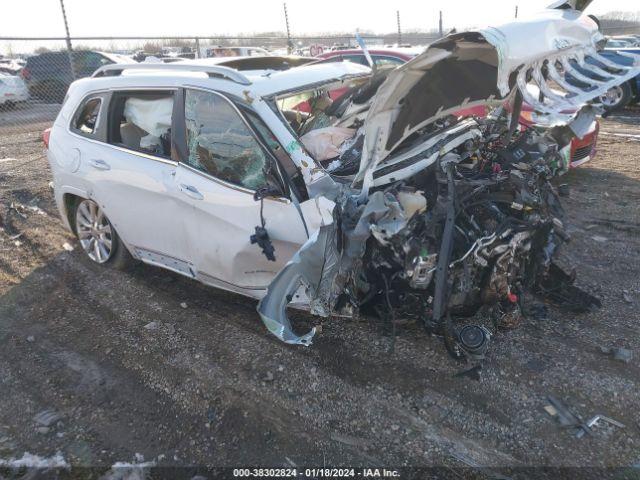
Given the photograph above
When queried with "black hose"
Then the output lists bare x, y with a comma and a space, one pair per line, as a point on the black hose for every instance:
440, 296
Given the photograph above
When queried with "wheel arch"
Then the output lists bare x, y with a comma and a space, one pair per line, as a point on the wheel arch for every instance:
69, 198
69, 203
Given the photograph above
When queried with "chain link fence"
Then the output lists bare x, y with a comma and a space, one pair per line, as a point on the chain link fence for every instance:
35, 73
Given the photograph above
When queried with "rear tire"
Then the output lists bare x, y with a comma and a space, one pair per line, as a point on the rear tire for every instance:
97, 236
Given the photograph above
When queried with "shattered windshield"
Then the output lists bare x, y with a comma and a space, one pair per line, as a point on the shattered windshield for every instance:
220, 143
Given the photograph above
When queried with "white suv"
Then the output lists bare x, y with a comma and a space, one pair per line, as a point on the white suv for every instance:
163, 163
328, 185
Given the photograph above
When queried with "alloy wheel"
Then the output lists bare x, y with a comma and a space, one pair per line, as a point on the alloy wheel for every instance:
612, 97
94, 231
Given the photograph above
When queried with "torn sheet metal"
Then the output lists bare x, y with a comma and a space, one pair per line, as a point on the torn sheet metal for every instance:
551, 58
448, 218
325, 263
304, 270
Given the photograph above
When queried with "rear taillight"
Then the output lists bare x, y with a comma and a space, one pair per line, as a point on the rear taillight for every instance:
45, 137
25, 73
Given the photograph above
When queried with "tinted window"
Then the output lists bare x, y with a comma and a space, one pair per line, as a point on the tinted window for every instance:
141, 121
356, 59
88, 62
220, 143
384, 61
86, 117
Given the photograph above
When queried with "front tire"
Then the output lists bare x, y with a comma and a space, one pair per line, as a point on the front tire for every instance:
98, 238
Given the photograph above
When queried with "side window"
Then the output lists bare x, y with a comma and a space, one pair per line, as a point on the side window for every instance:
382, 61
89, 62
220, 143
356, 59
86, 118
141, 121
266, 134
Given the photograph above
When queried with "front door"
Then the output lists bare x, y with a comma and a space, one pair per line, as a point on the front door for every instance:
225, 164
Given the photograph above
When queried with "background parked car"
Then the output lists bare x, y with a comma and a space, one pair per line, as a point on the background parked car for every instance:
381, 57
581, 150
49, 74
208, 52
629, 92
12, 66
12, 90
623, 41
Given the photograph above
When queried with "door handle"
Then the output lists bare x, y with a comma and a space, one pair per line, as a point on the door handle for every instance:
191, 191
99, 164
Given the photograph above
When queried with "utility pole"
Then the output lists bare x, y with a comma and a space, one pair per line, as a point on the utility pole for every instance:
399, 29
440, 25
68, 39
286, 20
516, 11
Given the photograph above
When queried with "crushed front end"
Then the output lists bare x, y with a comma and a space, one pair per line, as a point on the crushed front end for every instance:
441, 217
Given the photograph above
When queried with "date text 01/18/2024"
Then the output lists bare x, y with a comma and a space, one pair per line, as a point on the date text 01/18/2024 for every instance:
316, 472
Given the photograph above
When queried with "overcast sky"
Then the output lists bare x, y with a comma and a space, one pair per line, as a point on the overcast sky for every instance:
209, 17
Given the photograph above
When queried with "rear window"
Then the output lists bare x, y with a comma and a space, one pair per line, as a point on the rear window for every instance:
85, 120
52, 60
141, 121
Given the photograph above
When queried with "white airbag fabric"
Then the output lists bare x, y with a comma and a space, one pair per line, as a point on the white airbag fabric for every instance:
153, 116
324, 143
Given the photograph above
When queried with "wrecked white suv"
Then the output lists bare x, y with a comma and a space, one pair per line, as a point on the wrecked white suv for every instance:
334, 188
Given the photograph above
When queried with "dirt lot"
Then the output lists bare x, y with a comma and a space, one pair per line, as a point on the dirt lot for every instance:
209, 385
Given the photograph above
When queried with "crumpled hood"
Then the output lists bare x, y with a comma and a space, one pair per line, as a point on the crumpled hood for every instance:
482, 68
553, 55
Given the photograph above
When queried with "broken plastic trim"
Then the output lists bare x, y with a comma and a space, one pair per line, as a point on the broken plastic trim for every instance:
551, 58
323, 267
303, 270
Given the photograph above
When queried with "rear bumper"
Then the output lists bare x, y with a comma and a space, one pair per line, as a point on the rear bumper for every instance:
14, 97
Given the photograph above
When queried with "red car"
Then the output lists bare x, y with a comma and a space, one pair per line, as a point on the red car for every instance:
580, 151
381, 57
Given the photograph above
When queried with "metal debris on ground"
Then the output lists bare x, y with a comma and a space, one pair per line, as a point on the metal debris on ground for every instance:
15, 207
568, 419
618, 353
46, 418
594, 421
474, 373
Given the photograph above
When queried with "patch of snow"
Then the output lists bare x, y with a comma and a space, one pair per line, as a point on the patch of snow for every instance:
36, 209
29, 460
129, 471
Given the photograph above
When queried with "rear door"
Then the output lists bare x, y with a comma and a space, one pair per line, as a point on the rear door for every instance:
225, 161
132, 177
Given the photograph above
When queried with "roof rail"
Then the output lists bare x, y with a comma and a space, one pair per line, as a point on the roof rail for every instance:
217, 71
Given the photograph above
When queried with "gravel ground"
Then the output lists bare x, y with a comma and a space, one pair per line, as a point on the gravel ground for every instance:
206, 385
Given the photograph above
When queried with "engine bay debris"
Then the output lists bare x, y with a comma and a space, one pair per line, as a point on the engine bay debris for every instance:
446, 218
